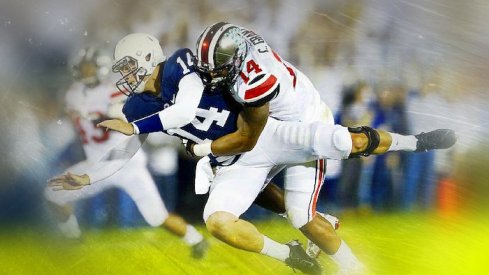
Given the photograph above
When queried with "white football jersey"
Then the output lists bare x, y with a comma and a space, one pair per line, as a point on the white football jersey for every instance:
89, 106
266, 77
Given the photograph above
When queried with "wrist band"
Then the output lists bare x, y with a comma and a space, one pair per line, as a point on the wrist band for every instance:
136, 128
201, 150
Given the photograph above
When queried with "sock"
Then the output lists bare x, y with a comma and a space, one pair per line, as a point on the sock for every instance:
403, 143
274, 249
192, 236
70, 228
345, 259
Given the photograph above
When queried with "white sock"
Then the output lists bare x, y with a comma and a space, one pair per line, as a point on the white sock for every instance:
345, 259
70, 228
274, 249
192, 236
403, 143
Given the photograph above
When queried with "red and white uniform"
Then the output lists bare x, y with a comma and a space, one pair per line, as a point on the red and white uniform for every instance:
88, 106
266, 77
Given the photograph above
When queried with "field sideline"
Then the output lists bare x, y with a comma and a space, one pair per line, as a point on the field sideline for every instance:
387, 244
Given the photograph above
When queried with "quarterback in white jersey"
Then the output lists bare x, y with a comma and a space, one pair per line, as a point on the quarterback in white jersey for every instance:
90, 100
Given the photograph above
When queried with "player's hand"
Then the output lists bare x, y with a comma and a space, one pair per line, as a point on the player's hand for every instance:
189, 147
118, 125
69, 181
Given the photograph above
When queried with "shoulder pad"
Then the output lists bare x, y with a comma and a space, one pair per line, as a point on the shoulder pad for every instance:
261, 89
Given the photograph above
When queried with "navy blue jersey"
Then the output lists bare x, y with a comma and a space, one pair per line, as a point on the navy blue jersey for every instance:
217, 112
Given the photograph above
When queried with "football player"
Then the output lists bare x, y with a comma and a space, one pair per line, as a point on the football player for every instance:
214, 115
265, 85
93, 98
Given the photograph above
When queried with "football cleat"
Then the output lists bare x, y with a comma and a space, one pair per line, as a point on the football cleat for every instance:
312, 249
298, 259
437, 139
199, 249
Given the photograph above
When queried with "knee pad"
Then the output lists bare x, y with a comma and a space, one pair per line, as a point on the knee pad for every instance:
373, 140
332, 141
342, 140
298, 217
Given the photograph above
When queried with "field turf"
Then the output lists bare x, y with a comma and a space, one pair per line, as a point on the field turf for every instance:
386, 243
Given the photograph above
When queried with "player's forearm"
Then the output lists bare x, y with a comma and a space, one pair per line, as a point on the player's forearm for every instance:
181, 113
173, 117
233, 144
115, 159
250, 124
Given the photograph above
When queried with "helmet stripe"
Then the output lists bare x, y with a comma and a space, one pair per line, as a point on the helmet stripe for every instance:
206, 41
214, 40
200, 41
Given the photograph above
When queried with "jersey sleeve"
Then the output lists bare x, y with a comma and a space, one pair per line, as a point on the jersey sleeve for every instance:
259, 90
182, 89
177, 66
141, 105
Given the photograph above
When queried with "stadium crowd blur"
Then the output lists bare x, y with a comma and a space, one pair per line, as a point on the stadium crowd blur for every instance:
400, 66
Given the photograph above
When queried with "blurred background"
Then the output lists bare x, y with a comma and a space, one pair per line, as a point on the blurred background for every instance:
404, 66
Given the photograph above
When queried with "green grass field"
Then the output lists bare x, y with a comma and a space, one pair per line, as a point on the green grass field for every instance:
387, 244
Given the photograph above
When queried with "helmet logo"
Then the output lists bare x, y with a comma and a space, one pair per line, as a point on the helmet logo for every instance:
148, 57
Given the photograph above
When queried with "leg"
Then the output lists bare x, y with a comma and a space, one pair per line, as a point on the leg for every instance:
366, 140
272, 198
235, 232
300, 142
230, 196
302, 186
60, 202
139, 185
303, 183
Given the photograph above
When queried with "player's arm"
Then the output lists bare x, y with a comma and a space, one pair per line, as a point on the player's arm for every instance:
108, 165
256, 97
251, 122
178, 115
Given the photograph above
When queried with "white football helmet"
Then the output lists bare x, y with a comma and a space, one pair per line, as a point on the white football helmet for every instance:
91, 66
136, 56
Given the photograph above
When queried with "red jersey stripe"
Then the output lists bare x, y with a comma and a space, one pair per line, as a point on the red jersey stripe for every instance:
261, 89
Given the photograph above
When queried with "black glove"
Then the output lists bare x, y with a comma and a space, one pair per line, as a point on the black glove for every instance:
188, 147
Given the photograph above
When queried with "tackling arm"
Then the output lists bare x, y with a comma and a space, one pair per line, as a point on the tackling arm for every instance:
251, 122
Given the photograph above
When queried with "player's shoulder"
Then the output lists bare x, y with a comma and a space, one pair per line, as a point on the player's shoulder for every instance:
182, 53
141, 105
179, 63
260, 89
